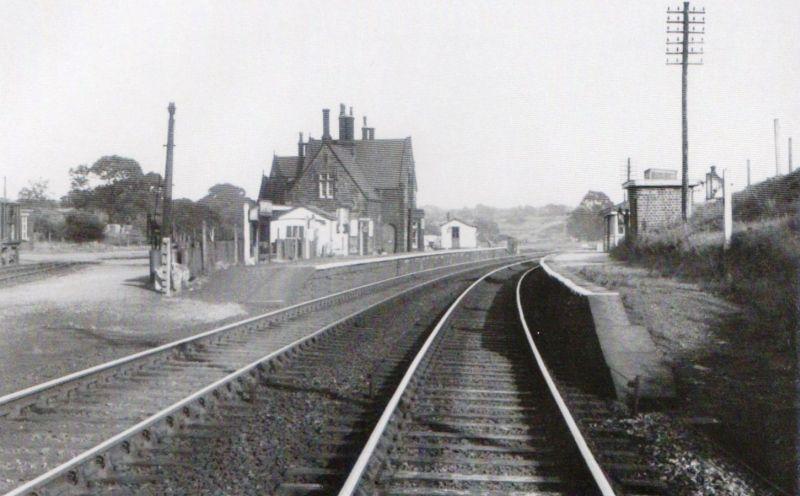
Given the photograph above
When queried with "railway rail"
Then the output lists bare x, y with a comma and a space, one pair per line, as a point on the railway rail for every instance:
14, 273
165, 389
478, 412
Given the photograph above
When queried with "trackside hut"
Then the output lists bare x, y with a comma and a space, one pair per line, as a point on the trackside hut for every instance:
459, 234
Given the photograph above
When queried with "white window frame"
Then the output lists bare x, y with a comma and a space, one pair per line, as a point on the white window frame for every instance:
326, 186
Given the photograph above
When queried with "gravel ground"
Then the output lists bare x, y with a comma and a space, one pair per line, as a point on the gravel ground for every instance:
682, 459
70, 321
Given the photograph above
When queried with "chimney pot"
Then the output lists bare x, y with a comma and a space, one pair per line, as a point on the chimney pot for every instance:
346, 125
301, 146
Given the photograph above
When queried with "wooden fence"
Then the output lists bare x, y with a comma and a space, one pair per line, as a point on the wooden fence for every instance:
205, 257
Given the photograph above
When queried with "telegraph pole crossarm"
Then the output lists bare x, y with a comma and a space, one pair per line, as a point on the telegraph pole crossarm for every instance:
691, 32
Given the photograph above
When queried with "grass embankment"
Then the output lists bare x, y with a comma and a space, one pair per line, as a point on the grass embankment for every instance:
744, 376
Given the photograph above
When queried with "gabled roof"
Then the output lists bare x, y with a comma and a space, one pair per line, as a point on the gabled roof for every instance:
373, 164
385, 162
310, 208
456, 219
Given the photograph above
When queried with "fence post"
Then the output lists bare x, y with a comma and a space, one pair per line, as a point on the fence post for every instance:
727, 208
235, 244
203, 250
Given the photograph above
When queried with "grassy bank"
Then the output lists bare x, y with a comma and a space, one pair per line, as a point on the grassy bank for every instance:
760, 269
742, 373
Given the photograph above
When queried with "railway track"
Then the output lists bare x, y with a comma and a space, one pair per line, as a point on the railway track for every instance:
14, 273
478, 412
69, 435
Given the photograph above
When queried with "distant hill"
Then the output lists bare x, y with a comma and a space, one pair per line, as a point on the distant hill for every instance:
526, 223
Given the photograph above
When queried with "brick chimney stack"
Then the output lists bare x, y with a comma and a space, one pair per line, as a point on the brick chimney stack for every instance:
365, 130
301, 147
326, 124
346, 124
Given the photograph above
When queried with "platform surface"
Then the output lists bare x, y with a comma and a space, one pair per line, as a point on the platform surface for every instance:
628, 349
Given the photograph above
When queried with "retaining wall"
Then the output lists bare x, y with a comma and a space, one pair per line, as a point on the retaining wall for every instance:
338, 276
588, 339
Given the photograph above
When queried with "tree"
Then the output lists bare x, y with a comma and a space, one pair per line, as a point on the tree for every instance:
35, 194
226, 200
586, 221
189, 216
121, 190
83, 226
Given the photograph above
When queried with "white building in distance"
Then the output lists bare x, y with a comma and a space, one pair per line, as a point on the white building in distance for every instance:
458, 234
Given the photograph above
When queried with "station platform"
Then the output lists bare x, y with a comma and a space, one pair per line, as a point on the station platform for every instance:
628, 349
277, 284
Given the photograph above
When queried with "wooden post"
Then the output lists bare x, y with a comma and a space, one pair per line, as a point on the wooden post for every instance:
235, 244
247, 256
684, 121
727, 207
203, 250
777, 127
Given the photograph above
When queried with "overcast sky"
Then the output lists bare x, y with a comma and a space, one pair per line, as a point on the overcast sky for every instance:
508, 103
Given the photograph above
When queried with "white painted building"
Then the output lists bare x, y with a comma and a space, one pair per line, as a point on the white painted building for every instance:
433, 242
458, 234
313, 228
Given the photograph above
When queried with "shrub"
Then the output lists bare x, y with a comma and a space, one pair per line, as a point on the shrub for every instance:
760, 269
83, 226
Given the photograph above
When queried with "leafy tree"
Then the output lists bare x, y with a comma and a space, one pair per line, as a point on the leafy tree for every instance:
225, 200
36, 194
188, 217
115, 186
83, 226
586, 221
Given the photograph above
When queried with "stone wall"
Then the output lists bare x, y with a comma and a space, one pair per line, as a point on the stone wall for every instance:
654, 208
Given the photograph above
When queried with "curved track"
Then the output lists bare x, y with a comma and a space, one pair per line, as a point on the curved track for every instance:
477, 412
133, 401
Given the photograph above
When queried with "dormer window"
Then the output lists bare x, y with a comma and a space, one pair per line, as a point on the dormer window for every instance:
326, 186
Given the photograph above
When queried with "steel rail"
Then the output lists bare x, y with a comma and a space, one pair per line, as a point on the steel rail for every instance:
31, 487
88, 372
596, 471
356, 473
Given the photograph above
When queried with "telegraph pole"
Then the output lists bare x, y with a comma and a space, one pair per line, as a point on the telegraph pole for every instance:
166, 220
688, 34
777, 129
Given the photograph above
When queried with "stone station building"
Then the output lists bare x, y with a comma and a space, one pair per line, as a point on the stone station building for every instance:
368, 185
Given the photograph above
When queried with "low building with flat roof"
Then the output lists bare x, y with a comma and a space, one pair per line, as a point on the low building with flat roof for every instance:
655, 201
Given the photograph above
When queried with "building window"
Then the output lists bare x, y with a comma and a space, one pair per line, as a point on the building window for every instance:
326, 186
294, 232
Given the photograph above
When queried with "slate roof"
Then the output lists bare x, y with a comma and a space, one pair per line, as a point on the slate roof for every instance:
287, 166
373, 164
